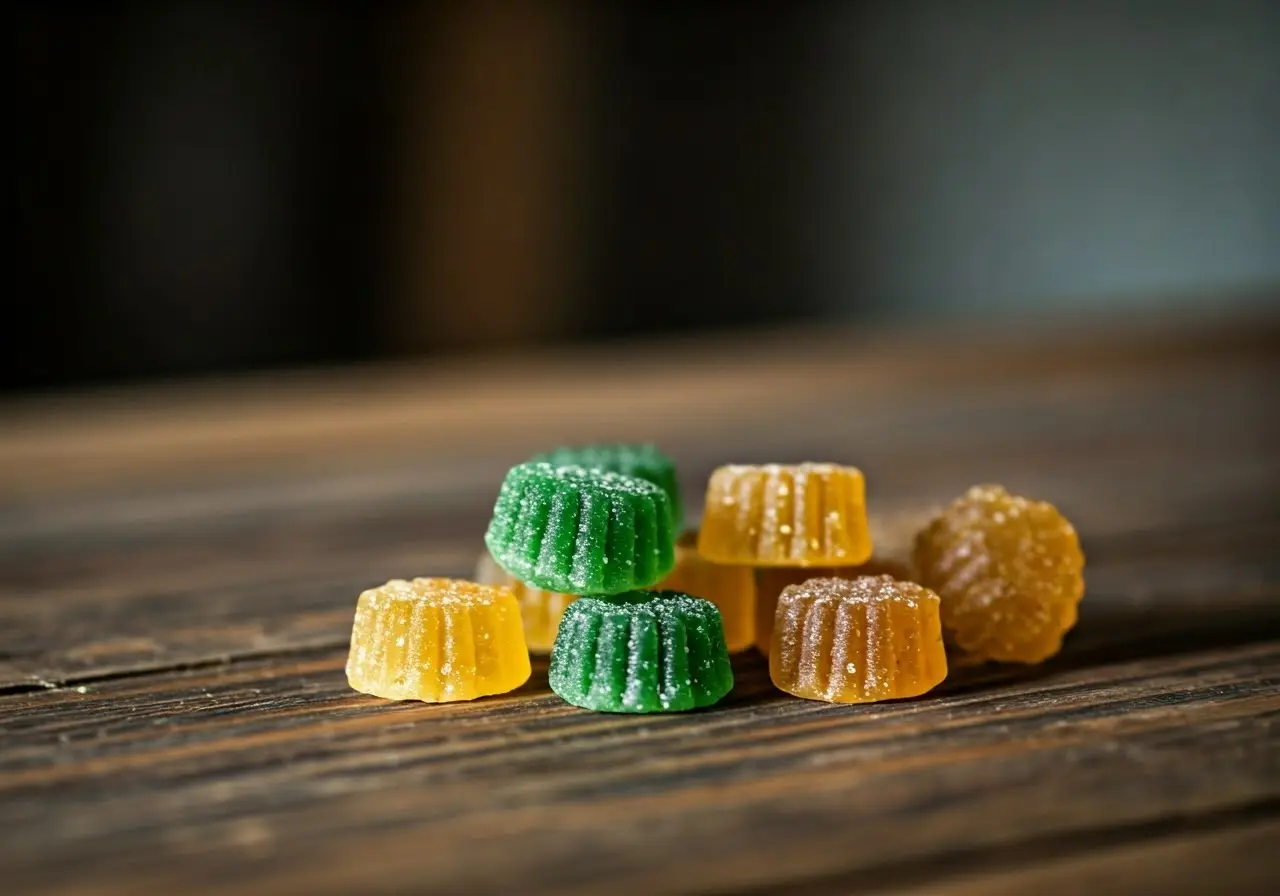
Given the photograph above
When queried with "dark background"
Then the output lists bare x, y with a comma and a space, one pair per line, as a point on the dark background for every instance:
203, 187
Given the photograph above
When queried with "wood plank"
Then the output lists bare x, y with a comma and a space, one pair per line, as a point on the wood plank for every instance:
1047, 435
1135, 607
314, 421
253, 590
1221, 861
233, 778
178, 571
158, 606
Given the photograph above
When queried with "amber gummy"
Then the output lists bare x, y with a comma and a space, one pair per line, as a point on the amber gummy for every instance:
437, 640
857, 640
894, 537
731, 588
1010, 573
785, 515
772, 580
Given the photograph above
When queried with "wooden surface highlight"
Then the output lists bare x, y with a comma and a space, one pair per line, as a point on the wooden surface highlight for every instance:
173, 623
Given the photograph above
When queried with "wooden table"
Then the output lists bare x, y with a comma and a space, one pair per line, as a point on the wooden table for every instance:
179, 566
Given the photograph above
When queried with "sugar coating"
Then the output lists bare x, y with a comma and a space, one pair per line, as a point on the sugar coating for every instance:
894, 537
616, 482
811, 514
771, 581
579, 531
731, 588
1010, 573
641, 652
437, 640
643, 461
857, 640
540, 610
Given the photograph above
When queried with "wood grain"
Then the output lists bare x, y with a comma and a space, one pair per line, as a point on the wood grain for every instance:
764, 788
173, 620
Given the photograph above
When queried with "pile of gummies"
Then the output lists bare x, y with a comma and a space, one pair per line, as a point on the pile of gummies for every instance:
583, 559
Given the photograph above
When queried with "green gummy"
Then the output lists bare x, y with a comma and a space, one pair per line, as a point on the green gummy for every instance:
581, 531
641, 461
642, 651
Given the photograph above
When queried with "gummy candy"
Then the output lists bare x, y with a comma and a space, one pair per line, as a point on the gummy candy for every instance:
731, 588
643, 651
894, 537
771, 580
770, 583
1010, 573
437, 640
540, 611
802, 515
641, 461
581, 531
857, 640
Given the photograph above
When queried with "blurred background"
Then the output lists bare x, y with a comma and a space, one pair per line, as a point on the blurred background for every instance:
204, 187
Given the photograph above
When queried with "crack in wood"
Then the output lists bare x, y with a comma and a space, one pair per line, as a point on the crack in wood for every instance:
90, 678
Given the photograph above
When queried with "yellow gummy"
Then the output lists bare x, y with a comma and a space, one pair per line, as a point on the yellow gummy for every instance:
775, 515
540, 611
857, 640
731, 588
437, 640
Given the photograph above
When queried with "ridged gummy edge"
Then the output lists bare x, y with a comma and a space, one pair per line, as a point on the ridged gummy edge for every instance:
530, 536
822, 605
419, 637
641, 460
607, 646
765, 492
